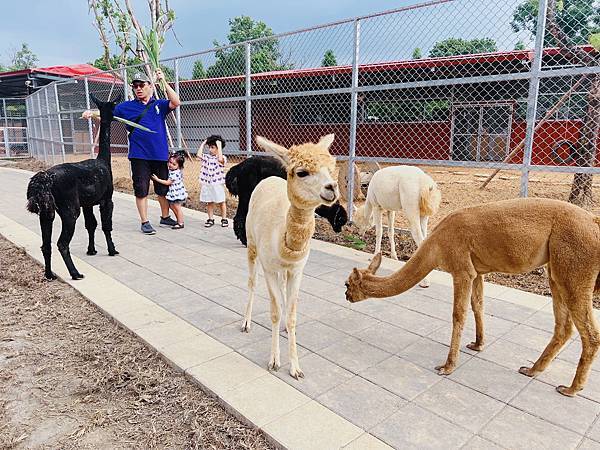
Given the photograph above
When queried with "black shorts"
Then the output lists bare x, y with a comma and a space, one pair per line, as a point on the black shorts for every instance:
141, 171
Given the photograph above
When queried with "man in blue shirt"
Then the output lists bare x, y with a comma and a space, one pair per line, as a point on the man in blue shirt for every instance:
148, 152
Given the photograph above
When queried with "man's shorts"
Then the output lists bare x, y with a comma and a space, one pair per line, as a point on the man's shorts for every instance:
141, 171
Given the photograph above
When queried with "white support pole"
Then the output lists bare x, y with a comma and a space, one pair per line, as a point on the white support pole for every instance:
60, 129
177, 110
353, 118
87, 105
248, 100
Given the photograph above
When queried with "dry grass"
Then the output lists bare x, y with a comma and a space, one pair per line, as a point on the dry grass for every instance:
72, 378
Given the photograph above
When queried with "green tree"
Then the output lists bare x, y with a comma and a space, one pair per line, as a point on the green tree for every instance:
577, 19
329, 59
458, 46
520, 46
417, 54
198, 72
23, 58
264, 55
570, 23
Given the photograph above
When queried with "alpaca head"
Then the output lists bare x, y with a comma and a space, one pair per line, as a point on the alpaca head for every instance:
106, 108
354, 292
311, 171
361, 220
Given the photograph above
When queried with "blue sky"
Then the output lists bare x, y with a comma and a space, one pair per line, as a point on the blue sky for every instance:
60, 31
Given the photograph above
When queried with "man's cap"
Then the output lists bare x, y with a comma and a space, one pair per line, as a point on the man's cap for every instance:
140, 76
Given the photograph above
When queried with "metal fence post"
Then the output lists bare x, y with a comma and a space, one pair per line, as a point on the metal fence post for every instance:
39, 94
49, 123
353, 118
87, 105
60, 130
532, 97
248, 101
6, 141
125, 88
177, 110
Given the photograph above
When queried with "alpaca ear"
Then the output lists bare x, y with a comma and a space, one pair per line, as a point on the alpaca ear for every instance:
375, 263
278, 150
356, 273
118, 98
326, 141
95, 100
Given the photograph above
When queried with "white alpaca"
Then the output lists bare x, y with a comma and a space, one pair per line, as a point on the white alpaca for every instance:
397, 188
279, 225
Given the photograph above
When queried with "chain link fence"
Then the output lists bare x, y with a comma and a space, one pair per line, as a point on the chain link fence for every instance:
13, 128
469, 87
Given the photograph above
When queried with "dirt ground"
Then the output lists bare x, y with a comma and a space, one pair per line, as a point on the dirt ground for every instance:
459, 187
71, 378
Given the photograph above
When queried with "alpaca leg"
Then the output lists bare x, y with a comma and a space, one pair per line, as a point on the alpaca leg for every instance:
378, 216
391, 216
251, 286
477, 307
276, 292
563, 329
424, 223
46, 227
414, 221
90, 226
106, 213
239, 221
293, 288
583, 316
462, 291
69, 218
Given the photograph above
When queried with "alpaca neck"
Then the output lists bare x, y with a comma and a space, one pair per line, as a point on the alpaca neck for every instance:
299, 228
104, 142
416, 268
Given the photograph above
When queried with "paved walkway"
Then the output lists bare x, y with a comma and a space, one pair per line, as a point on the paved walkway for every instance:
369, 372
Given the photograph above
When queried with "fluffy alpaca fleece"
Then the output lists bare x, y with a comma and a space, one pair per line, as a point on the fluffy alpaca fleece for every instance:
67, 189
242, 179
511, 236
399, 188
279, 226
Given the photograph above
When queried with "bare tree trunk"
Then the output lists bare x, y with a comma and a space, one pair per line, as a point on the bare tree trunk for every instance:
581, 189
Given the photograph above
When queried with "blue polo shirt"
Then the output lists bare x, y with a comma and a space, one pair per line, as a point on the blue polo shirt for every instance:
142, 144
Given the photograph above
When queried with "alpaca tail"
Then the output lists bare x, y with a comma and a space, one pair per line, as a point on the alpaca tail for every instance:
39, 195
231, 181
429, 202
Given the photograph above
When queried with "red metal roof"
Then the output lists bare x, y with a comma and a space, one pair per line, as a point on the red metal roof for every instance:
75, 70
424, 63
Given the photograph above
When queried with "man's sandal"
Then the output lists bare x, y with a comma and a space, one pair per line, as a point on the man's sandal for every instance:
177, 226
224, 223
209, 223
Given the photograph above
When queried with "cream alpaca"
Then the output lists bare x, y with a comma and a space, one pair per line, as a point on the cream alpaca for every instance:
399, 188
511, 236
279, 225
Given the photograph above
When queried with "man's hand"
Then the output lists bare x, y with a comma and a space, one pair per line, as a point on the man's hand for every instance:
159, 75
154, 177
90, 114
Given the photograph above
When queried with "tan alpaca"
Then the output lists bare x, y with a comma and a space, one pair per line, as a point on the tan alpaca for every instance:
511, 236
279, 225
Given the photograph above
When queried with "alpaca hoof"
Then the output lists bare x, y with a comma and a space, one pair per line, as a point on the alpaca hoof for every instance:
296, 373
91, 252
444, 370
424, 283
246, 327
113, 253
566, 391
50, 276
274, 366
77, 276
475, 346
527, 371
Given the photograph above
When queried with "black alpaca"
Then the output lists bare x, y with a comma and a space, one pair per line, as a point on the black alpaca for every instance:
68, 188
242, 178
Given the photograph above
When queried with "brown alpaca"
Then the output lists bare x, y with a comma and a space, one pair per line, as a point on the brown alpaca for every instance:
511, 236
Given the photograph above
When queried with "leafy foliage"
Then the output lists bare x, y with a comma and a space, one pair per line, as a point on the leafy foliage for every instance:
458, 46
577, 18
329, 59
417, 53
264, 54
